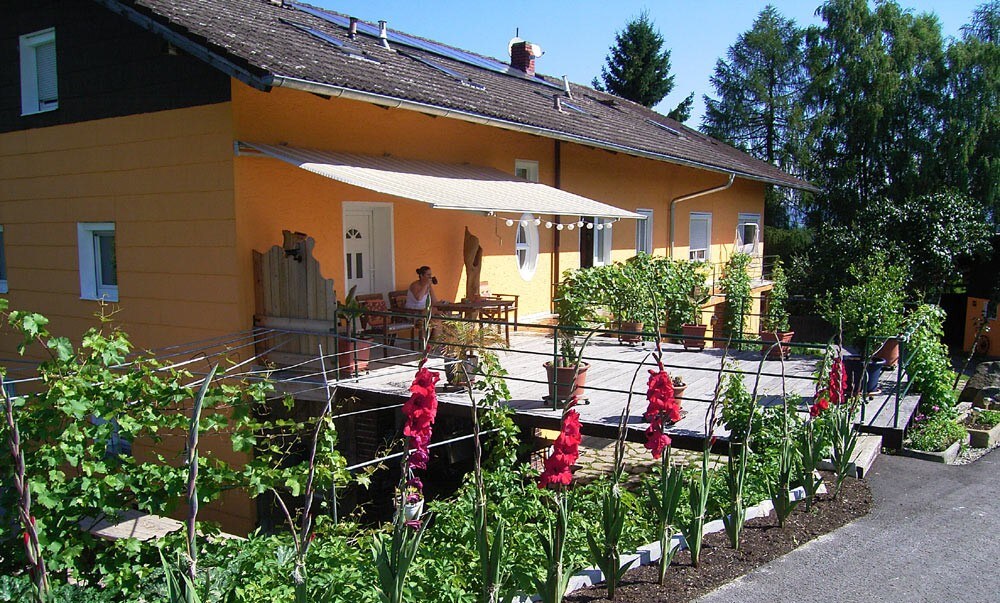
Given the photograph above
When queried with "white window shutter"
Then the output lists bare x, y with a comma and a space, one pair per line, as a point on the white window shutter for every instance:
45, 65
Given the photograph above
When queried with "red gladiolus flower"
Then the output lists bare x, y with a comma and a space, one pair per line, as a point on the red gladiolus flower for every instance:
838, 381
413, 524
420, 411
663, 408
566, 450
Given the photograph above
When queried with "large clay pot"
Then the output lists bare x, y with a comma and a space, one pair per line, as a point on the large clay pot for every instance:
354, 356
694, 331
630, 337
768, 340
679, 391
857, 379
889, 352
566, 386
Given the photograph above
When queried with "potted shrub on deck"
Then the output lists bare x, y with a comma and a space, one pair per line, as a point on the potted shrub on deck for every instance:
627, 296
354, 352
692, 329
568, 376
463, 342
774, 322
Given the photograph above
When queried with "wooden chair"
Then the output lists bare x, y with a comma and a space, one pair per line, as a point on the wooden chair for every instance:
375, 323
499, 313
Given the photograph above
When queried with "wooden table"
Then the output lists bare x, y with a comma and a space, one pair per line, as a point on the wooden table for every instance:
472, 309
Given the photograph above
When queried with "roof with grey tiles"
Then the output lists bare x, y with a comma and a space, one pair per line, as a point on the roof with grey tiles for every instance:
267, 43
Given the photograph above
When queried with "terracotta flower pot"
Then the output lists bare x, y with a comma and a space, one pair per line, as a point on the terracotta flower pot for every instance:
630, 326
566, 386
354, 356
694, 331
768, 340
889, 352
679, 391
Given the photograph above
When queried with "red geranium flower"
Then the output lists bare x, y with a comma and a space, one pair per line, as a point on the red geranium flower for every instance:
565, 451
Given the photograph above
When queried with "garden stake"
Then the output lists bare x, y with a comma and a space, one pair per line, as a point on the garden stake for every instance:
192, 485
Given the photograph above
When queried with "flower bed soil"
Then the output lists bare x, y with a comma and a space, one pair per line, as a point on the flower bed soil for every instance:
762, 542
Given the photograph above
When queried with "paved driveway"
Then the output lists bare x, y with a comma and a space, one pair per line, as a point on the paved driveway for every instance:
933, 536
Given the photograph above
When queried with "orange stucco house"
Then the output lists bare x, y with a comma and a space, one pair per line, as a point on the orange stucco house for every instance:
148, 147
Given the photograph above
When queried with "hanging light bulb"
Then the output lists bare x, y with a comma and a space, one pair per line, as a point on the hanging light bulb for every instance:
559, 226
509, 222
524, 222
548, 225
579, 224
570, 226
538, 221
599, 227
608, 226
590, 226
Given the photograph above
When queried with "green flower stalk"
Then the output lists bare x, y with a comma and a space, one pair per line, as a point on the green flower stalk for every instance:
736, 470
845, 441
552, 588
811, 445
664, 498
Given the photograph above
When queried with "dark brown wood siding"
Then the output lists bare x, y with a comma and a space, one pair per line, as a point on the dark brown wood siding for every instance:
107, 66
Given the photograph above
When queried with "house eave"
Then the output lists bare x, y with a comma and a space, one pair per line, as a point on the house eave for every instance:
333, 91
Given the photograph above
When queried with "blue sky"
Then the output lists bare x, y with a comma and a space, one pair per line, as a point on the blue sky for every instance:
576, 35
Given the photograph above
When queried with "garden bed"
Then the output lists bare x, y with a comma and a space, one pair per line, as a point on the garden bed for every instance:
762, 542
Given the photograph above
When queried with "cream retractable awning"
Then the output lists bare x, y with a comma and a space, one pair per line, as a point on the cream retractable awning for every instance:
442, 185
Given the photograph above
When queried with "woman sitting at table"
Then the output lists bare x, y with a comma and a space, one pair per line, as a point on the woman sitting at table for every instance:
421, 290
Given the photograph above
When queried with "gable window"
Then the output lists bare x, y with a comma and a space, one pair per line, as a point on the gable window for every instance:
526, 246
700, 231
526, 170
748, 233
39, 86
98, 261
3, 263
644, 231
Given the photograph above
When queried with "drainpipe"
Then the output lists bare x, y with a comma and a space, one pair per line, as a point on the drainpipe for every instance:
676, 200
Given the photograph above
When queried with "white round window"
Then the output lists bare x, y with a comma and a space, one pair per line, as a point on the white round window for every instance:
526, 246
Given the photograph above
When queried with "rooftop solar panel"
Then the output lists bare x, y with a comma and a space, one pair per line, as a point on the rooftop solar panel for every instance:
441, 50
347, 48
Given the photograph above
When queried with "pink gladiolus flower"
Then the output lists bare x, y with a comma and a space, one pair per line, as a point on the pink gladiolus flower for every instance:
838, 381
662, 409
420, 411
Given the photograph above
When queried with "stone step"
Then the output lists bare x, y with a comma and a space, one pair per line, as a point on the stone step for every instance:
865, 453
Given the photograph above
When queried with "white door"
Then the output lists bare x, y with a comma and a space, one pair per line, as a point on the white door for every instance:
358, 252
368, 247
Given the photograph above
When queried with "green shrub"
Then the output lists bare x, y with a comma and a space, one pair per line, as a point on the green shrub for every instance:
935, 434
787, 242
775, 316
928, 365
735, 284
872, 306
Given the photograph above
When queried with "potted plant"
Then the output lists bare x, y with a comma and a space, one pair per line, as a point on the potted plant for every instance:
569, 375
983, 427
692, 329
627, 296
774, 323
679, 386
463, 342
354, 351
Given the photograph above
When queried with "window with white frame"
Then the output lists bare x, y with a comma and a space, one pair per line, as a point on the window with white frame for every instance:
3, 262
526, 170
526, 246
602, 241
700, 240
39, 85
644, 231
748, 233
98, 261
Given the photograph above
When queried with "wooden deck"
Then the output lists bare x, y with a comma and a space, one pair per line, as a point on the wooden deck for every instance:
613, 374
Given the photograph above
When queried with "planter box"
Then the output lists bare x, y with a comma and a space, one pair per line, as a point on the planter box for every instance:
984, 438
947, 456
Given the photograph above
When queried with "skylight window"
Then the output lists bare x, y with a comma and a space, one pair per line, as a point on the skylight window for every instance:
573, 107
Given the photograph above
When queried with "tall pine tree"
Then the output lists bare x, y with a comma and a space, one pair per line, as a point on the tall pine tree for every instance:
638, 67
759, 106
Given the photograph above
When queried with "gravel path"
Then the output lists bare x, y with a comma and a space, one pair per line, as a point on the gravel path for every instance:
934, 535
